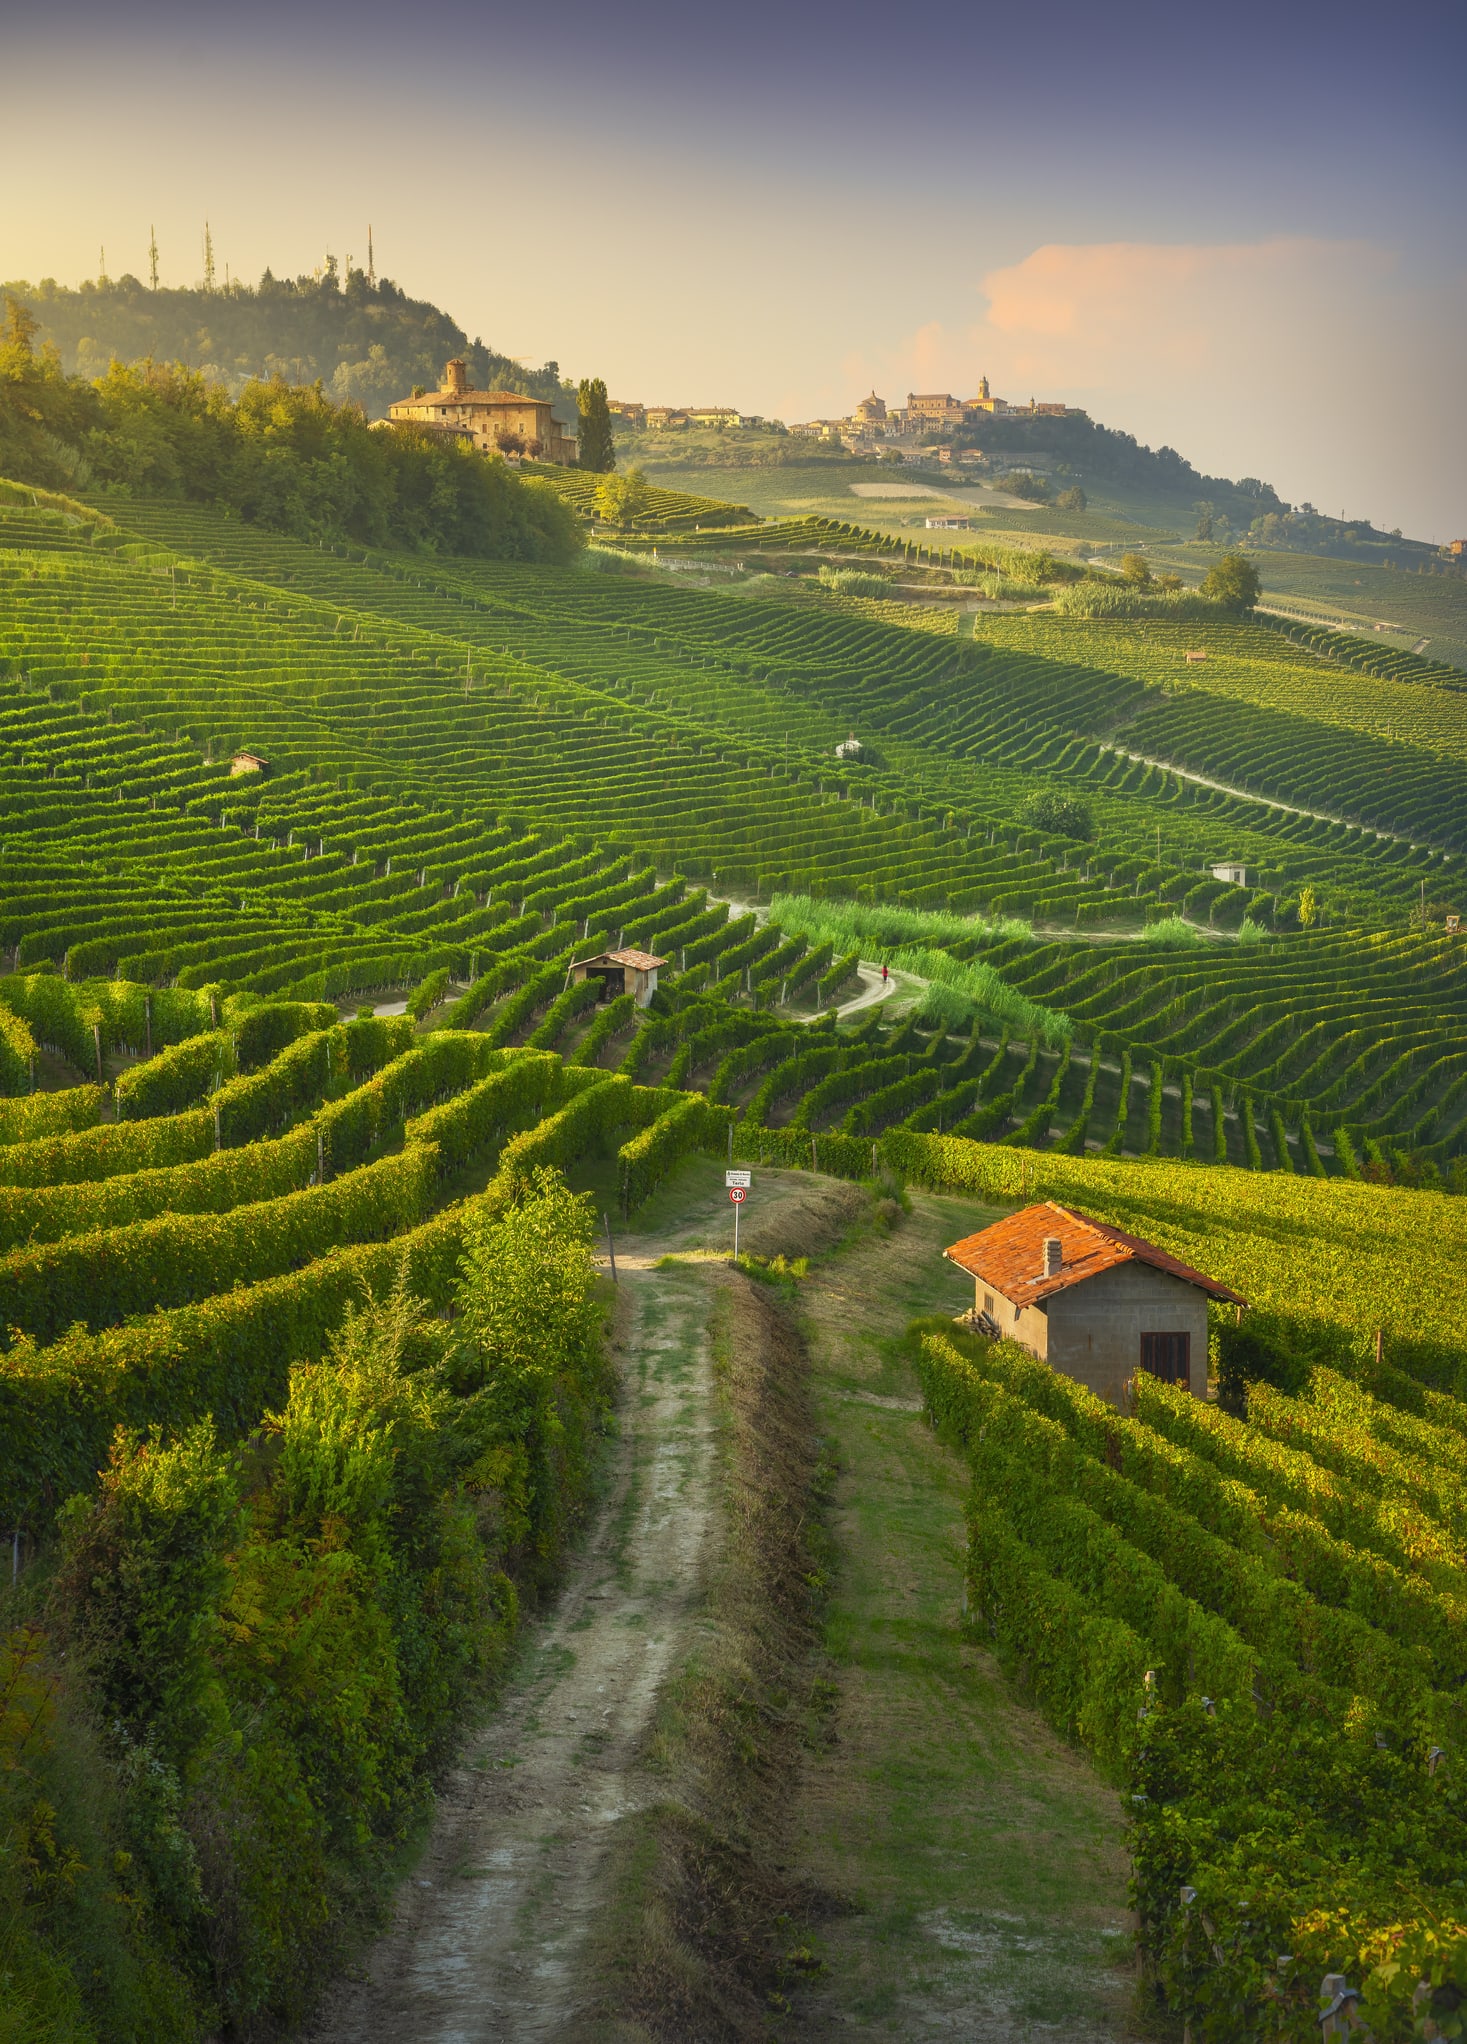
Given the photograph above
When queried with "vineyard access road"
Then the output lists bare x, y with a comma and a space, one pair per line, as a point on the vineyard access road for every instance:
489, 1939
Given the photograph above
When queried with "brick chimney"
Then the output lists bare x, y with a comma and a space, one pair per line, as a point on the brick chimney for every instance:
1054, 1255
456, 376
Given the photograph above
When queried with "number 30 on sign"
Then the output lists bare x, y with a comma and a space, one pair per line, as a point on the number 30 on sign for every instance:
737, 1194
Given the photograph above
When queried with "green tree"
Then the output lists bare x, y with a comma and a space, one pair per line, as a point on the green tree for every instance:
1073, 499
1206, 517
1136, 568
620, 500
1057, 815
595, 450
1233, 582
1308, 908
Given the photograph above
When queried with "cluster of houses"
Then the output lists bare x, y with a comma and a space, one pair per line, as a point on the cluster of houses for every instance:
659, 418
874, 426
509, 423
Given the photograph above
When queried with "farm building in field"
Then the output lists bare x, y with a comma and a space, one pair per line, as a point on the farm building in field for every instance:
248, 763
947, 524
1094, 1303
621, 972
494, 421
1235, 875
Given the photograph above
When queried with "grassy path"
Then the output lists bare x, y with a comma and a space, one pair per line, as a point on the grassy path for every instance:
983, 1858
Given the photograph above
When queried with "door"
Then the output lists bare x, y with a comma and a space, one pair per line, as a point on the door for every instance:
1168, 1356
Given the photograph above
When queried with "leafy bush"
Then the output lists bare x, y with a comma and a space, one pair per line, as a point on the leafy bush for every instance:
1058, 814
853, 582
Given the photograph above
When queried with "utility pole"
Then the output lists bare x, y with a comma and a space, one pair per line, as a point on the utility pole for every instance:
153, 257
208, 258
371, 259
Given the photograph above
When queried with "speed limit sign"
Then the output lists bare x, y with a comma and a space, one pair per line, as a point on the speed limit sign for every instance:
738, 1183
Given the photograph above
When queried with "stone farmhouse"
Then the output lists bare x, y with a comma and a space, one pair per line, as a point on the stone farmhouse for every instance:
494, 421
1094, 1303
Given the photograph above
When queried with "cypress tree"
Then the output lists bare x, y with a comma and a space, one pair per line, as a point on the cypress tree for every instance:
594, 448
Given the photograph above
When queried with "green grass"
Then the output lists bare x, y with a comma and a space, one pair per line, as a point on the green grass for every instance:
983, 1858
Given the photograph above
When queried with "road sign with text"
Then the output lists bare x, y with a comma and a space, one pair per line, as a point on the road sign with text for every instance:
743, 1178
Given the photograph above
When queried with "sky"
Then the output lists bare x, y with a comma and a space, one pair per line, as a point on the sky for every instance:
1239, 231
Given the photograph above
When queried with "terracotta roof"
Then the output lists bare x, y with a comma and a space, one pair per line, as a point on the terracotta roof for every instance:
471, 397
637, 961
1010, 1255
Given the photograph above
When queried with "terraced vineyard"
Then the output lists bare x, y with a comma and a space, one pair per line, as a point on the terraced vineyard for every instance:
277, 1042
967, 734
661, 510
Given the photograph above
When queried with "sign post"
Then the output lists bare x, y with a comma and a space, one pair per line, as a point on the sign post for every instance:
738, 1183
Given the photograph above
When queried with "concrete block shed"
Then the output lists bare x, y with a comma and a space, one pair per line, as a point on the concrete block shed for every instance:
1094, 1303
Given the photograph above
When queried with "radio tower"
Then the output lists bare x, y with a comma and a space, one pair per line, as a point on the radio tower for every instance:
153, 256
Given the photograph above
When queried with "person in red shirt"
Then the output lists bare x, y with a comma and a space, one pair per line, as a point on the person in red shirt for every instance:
883, 975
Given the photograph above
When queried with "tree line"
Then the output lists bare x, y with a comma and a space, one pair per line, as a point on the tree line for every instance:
280, 454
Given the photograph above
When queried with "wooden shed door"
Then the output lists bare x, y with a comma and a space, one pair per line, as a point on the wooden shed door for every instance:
1168, 1356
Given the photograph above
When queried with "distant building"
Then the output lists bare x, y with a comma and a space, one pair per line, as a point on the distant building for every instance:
660, 417
934, 408
713, 415
947, 524
622, 408
621, 972
870, 412
248, 763
1000, 408
1095, 1304
1236, 876
494, 421
850, 748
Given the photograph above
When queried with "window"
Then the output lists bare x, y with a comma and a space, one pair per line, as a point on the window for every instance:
988, 1302
1168, 1356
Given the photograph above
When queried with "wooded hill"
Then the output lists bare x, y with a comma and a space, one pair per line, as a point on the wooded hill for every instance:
365, 339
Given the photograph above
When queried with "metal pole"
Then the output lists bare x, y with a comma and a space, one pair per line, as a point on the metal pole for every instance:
738, 1209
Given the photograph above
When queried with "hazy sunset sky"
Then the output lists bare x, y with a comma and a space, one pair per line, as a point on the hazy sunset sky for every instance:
1238, 230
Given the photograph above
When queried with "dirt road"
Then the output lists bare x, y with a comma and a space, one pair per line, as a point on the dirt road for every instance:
489, 1933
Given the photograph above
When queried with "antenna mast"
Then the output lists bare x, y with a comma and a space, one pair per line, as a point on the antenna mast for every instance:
153, 256
371, 259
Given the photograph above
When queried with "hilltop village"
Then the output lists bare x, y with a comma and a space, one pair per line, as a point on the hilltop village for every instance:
925, 423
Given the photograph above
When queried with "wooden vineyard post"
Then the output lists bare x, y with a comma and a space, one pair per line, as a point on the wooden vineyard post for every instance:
610, 1250
1379, 1346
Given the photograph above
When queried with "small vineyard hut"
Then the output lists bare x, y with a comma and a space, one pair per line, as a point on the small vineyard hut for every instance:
621, 972
1094, 1303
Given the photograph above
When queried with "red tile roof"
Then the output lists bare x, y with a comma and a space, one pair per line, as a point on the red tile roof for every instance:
1010, 1255
636, 961
471, 397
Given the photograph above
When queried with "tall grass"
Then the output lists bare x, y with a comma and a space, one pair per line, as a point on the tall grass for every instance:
1174, 933
985, 992
853, 926
852, 582
1126, 599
